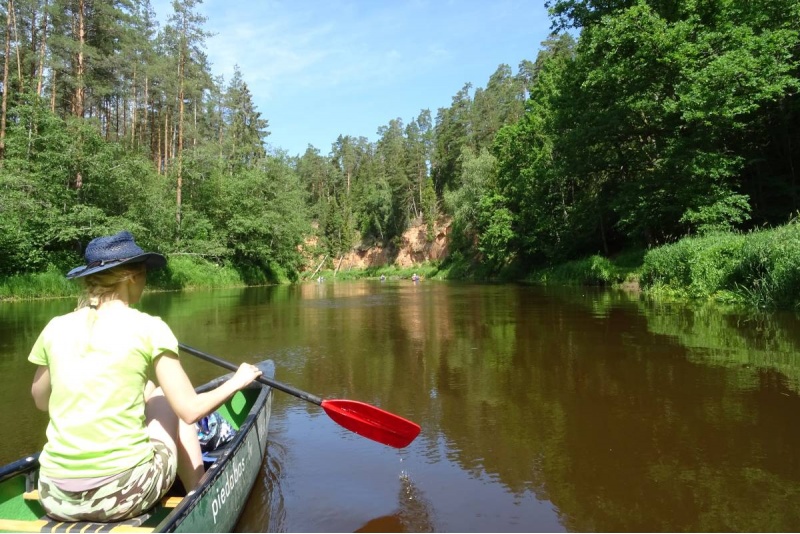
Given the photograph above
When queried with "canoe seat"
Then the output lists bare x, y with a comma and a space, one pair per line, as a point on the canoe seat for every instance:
49, 525
166, 502
46, 524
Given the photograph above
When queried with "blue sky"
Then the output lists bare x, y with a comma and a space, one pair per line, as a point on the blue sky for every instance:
318, 69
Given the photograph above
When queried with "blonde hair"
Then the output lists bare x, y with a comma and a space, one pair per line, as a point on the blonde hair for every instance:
102, 287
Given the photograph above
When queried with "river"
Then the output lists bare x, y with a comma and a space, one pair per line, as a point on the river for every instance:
542, 409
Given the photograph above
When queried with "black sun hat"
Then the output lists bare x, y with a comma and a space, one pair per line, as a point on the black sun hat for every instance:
112, 251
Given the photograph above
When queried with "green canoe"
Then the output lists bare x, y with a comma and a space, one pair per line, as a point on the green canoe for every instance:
214, 506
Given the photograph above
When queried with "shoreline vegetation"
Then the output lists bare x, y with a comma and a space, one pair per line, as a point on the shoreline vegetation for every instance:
648, 146
758, 269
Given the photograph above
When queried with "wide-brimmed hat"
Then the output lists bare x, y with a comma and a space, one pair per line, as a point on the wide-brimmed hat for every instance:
112, 251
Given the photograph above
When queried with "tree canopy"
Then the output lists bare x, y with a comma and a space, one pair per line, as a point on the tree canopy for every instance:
637, 123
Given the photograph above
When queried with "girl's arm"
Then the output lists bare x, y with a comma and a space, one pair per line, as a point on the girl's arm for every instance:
40, 389
181, 395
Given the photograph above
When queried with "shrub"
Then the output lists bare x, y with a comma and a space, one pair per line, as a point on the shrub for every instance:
761, 268
51, 283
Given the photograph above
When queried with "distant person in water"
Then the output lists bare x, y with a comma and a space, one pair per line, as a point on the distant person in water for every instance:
415, 277
383, 278
115, 441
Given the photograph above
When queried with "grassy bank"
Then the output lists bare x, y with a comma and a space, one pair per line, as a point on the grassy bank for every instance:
758, 269
181, 273
624, 269
392, 272
50, 283
194, 273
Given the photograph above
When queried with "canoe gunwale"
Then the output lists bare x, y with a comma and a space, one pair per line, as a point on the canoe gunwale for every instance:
19, 467
217, 470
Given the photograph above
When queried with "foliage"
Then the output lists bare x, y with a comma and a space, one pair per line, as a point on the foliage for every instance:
768, 275
51, 283
760, 268
261, 213
595, 270
495, 222
547, 205
429, 206
694, 266
182, 272
191, 272
659, 121
476, 181
392, 273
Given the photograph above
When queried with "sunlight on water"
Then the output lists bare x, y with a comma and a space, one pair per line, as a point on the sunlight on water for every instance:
542, 409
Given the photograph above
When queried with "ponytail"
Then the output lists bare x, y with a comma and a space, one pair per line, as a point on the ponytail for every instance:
103, 286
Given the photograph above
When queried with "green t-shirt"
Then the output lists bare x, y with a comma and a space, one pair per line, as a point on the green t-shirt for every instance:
98, 373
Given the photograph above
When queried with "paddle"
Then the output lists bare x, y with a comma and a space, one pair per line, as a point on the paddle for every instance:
363, 419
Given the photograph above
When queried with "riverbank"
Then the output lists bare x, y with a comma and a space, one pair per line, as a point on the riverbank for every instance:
182, 273
758, 269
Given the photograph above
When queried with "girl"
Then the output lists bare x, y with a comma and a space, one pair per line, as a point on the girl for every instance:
115, 441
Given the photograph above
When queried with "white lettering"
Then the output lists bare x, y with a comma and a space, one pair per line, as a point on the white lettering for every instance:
231, 480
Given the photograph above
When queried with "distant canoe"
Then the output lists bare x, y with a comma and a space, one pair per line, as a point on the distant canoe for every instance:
216, 504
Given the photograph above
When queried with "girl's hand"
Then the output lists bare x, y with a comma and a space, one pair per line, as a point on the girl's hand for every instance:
244, 376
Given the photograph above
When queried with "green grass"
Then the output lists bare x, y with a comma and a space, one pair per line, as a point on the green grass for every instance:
425, 270
694, 267
758, 269
50, 283
595, 270
187, 272
181, 273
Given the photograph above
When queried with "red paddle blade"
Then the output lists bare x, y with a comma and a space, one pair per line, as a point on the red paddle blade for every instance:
371, 422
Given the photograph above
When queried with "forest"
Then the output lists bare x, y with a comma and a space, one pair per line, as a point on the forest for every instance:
638, 124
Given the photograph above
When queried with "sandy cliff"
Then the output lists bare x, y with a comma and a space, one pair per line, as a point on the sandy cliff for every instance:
415, 248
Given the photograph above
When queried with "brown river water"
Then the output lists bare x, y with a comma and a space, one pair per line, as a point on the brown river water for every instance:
555, 410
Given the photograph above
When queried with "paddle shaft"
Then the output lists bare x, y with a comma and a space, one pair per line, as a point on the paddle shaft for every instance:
359, 417
264, 380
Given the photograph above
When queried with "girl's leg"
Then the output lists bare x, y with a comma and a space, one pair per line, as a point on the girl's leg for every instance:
164, 425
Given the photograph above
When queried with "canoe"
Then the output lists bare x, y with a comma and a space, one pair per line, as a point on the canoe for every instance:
214, 506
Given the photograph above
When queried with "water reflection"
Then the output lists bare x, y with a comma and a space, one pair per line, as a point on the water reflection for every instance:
414, 512
266, 510
541, 409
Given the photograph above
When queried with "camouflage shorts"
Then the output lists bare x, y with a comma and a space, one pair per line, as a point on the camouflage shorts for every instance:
135, 492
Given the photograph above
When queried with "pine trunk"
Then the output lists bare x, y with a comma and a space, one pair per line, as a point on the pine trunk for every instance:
21, 80
134, 110
42, 48
4, 104
181, 72
78, 106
